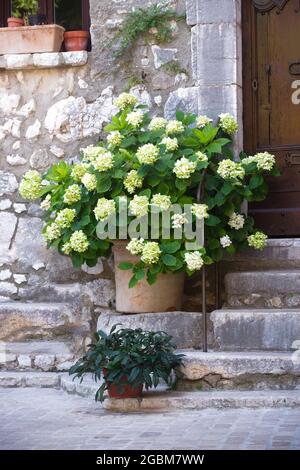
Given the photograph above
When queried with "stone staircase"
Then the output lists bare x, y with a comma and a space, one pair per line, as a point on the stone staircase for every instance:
253, 359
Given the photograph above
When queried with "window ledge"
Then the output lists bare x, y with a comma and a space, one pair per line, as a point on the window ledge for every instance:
45, 60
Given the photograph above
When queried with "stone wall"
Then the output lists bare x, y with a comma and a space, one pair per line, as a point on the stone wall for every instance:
51, 105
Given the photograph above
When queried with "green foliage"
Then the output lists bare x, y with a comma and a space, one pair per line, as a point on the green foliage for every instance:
141, 21
25, 7
174, 68
142, 357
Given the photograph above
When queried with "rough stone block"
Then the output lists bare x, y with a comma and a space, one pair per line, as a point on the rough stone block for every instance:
47, 60
23, 321
44, 362
8, 183
213, 11
18, 61
184, 327
266, 330
76, 58
215, 59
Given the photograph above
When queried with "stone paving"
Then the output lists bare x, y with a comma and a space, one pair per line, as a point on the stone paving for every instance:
51, 419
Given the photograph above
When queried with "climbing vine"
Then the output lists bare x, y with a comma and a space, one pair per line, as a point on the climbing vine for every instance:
155, 19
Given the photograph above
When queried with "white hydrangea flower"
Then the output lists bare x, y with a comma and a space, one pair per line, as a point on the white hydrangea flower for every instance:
104, 162
174, 127
46, 203
133, 181
171, 144
138, 206
65, 218
79, 242
72, 194
202, 157
78, 171
52, 232
89, 181
114, 139
31, 185
67, 248
104, 208
124, 100
151, 253
228, 169
135, 118
147, 154
265, 161
135, 246
184, 168
178, 220
236, 221
200, 211
225, 241
91, 152
203, 121
161, 201
258, 240
228, 123
157, 123
194, 260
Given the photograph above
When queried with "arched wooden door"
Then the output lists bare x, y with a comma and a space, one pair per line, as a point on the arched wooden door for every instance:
271, 69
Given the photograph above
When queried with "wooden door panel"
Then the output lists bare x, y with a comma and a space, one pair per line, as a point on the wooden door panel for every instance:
271, 42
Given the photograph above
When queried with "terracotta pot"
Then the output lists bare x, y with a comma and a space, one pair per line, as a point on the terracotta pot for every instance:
76, 40
15, 22
163, 296
31, 39
124, 391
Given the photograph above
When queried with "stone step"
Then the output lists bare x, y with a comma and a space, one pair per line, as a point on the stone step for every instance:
160, 400
36, 355
281, 253
184, 327
256, 329
263, 289
30, 379
21, 321
239, 370
169, 401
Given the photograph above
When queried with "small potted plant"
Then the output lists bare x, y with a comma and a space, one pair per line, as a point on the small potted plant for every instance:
30, 11
128, 360
16, 19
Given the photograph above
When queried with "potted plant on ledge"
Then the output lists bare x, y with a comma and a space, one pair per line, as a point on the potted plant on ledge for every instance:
128, 360
145, 190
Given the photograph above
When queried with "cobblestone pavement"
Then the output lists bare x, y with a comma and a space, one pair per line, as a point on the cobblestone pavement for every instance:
51, 419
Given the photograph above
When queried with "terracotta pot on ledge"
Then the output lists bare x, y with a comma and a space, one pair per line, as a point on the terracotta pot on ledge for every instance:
15, 22
76, 40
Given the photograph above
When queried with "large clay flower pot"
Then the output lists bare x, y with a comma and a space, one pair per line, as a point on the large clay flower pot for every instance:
163, 296
31, 39
124, 390
76, 40
15, 22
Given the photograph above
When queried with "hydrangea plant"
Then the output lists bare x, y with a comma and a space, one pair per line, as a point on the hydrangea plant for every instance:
154, 162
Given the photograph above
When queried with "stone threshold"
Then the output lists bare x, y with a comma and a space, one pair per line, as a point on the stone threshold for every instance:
157, 401
45, 60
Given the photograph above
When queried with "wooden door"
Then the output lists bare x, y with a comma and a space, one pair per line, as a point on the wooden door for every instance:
271, 68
